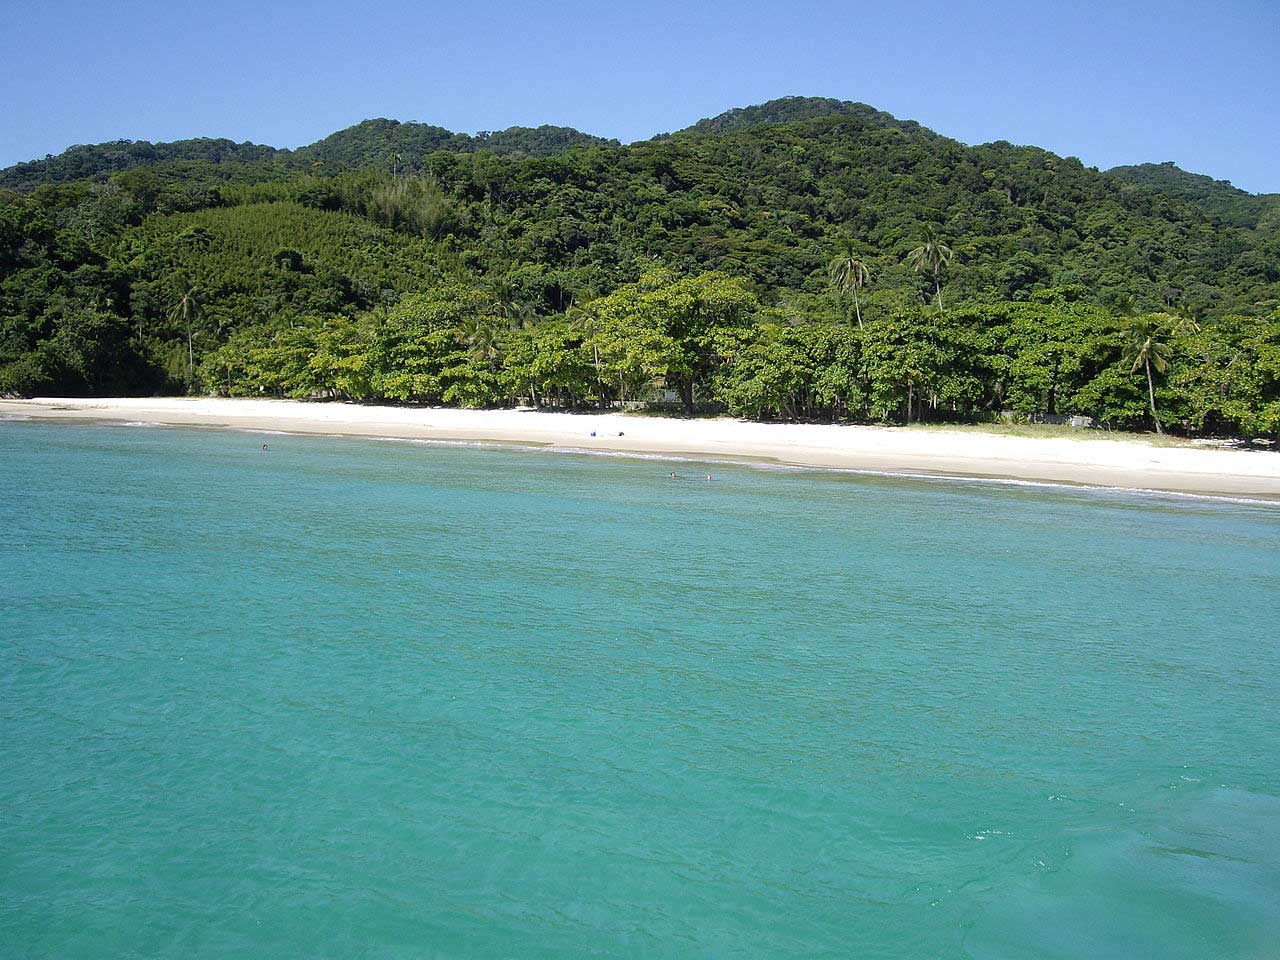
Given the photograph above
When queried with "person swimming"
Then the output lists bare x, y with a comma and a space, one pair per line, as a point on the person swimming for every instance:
264, 448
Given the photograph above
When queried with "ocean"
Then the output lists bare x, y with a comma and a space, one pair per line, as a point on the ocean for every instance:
356, 698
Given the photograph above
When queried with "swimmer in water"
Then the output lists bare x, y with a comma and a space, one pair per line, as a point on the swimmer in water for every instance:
708, 476
264, 448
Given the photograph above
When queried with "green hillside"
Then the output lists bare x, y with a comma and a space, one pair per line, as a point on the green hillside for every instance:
372, 143
806, 258
388, 144
792, 109
1217, 197
256, 262
83, 161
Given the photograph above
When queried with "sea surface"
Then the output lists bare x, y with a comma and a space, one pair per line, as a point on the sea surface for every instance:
358, 699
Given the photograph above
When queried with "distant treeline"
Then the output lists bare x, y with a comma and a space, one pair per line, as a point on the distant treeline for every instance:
708, 339
371, 143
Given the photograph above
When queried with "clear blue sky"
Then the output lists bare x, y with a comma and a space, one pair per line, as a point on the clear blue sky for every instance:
1112, 82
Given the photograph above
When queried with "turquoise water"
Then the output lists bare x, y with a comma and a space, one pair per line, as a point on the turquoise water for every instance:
352, 698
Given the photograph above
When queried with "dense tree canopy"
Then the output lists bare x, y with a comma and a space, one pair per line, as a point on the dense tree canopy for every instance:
370, 143
801, 259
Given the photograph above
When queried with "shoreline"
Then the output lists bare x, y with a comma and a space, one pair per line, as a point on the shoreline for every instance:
955, 453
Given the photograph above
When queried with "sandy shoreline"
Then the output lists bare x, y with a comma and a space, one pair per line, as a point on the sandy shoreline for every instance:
966, 453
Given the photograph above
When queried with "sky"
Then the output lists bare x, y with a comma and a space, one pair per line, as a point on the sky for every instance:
1121, 81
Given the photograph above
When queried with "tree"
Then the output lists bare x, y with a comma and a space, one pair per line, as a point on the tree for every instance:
686, 314
584, 320
1183, 323
1048, 348
183, 310
849, 274
1146, 346
633, 347
1126, 306
904, 361
503, 300
481, 334
931, 257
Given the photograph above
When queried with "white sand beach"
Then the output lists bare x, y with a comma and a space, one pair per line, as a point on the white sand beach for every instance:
1091, 458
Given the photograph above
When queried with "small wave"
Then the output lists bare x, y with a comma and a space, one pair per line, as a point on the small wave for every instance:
641, 455
1046, 484
140, 423
431, 442
14, 416
771, 465
910, 475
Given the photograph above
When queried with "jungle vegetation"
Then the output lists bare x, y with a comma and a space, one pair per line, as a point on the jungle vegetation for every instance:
803, 259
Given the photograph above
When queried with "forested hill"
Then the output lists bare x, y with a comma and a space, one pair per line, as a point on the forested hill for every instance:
1218, 197
373, 143
839, 265
792, 109
392, 144
379, 143
93, 160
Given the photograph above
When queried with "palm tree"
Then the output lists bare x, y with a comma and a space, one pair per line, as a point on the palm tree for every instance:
481, 334
849, 274
931, 257
585, 322
506, 303
185, 309
395, 162
1147, 347
1184, 322
1126, 306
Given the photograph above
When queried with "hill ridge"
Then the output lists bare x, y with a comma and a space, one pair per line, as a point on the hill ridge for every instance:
378, 141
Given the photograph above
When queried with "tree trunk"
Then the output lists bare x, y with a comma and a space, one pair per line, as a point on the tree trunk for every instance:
1151, 393
937, 288
686, 395
190, 359
1053, 387
857, 308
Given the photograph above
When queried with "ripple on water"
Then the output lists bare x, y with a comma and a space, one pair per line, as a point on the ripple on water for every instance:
1197, 875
